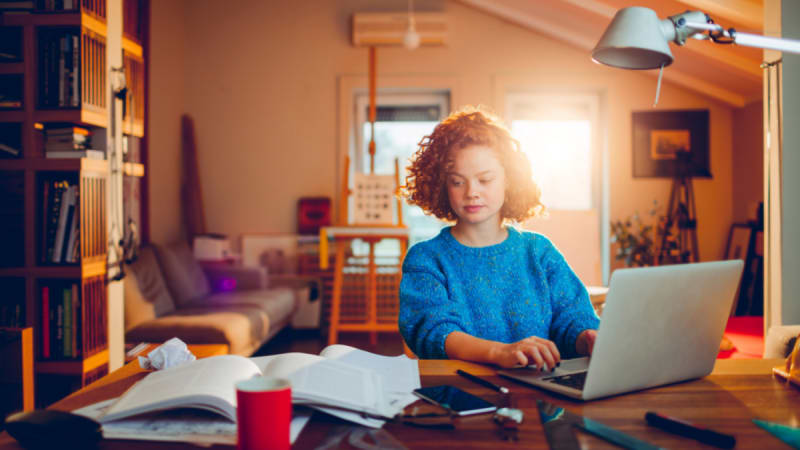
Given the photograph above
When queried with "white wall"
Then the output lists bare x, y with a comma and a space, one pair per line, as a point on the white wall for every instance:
260, 80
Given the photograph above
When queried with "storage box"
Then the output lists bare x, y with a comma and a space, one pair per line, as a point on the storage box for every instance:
212, 248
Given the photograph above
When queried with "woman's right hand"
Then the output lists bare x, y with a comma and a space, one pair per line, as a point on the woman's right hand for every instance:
531, 350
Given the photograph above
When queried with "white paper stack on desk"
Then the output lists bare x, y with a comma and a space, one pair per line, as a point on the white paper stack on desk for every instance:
342, 381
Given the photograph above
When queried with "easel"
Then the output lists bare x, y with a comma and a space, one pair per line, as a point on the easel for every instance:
370, 232
680, 213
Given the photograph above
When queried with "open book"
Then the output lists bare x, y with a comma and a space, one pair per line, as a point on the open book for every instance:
341, 380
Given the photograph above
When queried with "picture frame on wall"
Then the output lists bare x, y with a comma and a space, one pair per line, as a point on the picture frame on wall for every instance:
738, 241
665, 140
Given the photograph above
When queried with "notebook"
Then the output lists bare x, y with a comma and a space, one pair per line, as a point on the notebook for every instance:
660, 325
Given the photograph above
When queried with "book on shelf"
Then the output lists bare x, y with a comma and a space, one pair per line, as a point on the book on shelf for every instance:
45, 322
65, 154
11, 314
343, 381
16, 5
10, 102
59, 68
67, 207
74, 131
52, 194
58, 5
61, 323
60, 222
9, 149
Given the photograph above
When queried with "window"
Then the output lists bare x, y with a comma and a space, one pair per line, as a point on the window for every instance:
558, 133
402, 120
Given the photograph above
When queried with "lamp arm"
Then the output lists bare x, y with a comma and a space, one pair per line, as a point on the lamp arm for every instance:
755, 40
692, 24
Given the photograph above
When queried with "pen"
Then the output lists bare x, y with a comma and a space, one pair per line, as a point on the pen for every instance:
689, 430
483, 382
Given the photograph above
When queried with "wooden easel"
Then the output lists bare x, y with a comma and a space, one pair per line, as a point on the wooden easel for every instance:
371, 233
681, 214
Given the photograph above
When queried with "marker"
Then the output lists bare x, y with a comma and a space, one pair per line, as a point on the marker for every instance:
686, 429
483, 382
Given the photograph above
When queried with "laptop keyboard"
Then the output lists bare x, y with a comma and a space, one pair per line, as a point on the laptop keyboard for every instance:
573, 380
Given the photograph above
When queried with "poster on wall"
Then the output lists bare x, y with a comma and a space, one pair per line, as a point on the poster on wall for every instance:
372, 199
668, 142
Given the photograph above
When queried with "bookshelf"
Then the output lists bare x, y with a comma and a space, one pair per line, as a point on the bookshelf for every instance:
54, 74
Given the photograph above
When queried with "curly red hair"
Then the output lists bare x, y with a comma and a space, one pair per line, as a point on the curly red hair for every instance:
426, 179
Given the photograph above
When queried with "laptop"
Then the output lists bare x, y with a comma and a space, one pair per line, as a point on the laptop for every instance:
660, 325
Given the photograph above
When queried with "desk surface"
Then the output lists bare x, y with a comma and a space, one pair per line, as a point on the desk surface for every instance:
727, 400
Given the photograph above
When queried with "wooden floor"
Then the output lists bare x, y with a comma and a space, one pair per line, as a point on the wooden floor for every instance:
313, 341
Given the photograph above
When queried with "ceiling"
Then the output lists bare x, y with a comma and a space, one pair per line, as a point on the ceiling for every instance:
728, 73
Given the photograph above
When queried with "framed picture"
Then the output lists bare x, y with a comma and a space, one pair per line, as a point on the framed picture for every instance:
667, 142
738, 240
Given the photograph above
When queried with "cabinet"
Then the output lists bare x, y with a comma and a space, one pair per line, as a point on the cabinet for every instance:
55, 285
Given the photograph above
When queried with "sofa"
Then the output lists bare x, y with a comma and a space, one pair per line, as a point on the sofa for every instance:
169, 294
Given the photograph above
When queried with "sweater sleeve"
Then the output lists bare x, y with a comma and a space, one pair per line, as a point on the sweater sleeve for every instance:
427, 314
572, 309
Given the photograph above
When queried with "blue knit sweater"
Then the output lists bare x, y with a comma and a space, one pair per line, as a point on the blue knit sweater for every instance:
506, 292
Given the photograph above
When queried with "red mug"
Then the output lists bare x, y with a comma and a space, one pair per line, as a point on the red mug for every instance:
263, 413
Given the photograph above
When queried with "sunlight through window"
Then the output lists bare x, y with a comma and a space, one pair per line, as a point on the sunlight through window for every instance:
560, 152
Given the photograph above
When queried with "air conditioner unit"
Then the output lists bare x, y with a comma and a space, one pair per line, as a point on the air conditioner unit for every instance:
380, 29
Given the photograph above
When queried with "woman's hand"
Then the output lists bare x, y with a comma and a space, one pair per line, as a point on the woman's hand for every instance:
531, 350
585, 342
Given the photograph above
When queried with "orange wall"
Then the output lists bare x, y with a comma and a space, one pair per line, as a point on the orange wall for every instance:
166, 104
748, 163
260, 81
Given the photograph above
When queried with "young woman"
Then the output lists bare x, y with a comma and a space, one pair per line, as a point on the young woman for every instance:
482, 290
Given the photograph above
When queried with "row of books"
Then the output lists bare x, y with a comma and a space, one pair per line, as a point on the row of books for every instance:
11, 91
11, 314
16, 5
61, 321
58, 5
70, 142
60, 214
59, 68
66, 138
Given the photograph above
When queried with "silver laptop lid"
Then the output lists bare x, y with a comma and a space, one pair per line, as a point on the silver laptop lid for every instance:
661, 325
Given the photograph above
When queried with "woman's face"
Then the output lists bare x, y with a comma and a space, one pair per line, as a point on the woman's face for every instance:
476, 185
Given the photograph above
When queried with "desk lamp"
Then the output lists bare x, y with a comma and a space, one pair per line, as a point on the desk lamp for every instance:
637, 39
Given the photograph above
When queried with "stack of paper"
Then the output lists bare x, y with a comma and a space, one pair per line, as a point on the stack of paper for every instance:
343, 381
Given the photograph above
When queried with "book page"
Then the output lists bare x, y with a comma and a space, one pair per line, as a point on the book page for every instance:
182, 425
282, 365
334, 383
400, 374
206, 383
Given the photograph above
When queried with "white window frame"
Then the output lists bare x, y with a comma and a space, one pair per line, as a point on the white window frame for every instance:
394, 97
593, 101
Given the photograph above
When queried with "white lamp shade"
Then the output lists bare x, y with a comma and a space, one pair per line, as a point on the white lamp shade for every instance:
633, 40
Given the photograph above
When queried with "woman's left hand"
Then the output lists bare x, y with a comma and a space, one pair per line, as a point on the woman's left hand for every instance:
585, 342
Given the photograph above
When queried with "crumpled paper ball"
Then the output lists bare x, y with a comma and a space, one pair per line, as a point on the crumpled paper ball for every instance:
170, 354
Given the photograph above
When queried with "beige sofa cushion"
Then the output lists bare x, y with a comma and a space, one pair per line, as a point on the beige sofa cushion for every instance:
146, 293
243, 328
278, 303
183, 274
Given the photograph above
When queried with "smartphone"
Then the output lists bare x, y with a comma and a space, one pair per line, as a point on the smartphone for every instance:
453, 399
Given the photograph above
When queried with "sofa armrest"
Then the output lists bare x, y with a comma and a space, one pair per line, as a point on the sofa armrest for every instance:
314, 284
227, 278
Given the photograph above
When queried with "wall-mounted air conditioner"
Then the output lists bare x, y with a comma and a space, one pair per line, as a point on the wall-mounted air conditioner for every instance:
381, 29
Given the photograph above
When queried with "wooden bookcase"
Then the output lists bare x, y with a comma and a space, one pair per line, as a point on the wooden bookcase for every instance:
75, 291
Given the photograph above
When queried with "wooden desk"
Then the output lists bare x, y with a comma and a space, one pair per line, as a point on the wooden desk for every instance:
727, 400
